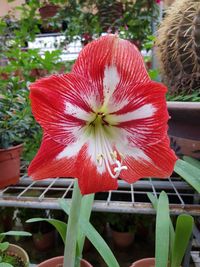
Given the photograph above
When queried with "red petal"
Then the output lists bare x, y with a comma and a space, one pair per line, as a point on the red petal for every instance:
90, 181
48, 99
144, 117
161, 164
111, 51
45, 164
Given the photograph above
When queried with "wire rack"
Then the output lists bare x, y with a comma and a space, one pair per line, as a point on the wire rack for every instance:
128, 198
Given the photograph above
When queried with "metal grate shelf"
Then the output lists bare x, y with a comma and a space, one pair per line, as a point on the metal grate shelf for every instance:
127, 199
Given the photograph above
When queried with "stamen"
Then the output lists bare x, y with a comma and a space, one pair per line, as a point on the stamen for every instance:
100, 159
117, 169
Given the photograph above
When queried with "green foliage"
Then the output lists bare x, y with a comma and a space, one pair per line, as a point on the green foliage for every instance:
137, 20
170, 245
184, 96
5, 259
91, 233
60, 226
20, 66
189, 170
162, 231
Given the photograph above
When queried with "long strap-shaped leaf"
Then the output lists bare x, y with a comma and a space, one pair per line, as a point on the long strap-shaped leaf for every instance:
162, 231
86, 208
184, 226
194, 162
94, 237
60, 226
188, 172
154, 202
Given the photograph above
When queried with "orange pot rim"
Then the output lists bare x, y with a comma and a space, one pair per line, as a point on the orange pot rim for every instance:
11, 148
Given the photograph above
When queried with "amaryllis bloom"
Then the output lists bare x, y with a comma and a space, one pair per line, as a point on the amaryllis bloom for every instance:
104, 120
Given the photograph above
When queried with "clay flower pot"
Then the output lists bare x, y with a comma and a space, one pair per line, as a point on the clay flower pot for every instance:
10, 165
48, 11
44, 241
147, 262
121, 239
58, 262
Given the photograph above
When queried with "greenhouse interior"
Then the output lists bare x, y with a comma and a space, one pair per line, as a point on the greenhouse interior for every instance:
100, 133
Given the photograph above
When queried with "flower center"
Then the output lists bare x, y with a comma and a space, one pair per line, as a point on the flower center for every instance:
102, 131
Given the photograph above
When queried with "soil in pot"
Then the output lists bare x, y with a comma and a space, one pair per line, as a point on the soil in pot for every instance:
10, 165
58, 262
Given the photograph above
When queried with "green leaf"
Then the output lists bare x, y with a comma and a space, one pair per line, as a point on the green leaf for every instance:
154, 202
99, 243
86, 208
189, 173
17, 233
184, 226
4, 246
194, 162
60, 226
4, 264
94, 237
64, 205
162, 231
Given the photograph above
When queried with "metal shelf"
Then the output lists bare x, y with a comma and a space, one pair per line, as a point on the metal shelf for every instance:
127, 199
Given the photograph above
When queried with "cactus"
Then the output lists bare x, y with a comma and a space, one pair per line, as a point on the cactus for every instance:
178, 46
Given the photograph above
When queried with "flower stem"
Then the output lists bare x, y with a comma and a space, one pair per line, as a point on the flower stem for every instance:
72, 228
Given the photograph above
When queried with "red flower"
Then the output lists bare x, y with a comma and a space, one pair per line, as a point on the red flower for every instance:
103, 120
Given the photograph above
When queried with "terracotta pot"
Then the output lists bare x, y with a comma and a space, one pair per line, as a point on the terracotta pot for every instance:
121, 239
10, 165
184, 128
58, 262
147, 262
20, 252
44, 241
48, 11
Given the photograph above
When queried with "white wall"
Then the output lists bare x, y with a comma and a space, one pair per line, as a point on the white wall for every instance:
5, 7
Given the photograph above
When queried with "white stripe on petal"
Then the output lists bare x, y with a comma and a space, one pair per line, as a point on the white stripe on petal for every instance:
143, 112
77, 112
135, 152
71, 150
110, 82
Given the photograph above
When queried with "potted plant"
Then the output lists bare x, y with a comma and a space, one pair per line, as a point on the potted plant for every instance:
123, 228
13, 127
177, 52
170, 244
12, 255
43, 234
96, 61
85, 230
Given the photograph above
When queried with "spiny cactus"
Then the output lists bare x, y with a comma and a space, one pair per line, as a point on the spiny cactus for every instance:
178, 45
